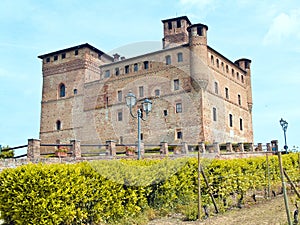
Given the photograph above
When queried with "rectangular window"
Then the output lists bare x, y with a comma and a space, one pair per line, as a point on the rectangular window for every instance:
216, 88
176, 84
239, 100
107, 73
179, 57
55, 57
146, 65
165, 112
141, 91
214, 114
168, 60
226, 93
169, 25
157, 92
120, 116
178, 23
76, 52
117, 71
126, 69
179, 134
241, 124
230, 120
48, 59
199, 31
178, 108
135, 67
63, 55
120, 96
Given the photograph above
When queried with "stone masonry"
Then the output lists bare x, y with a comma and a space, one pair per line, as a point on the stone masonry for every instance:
198, 94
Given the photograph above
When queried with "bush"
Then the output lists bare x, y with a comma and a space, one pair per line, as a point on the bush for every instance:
119, 191
4, 153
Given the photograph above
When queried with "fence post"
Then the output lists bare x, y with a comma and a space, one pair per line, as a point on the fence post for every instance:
164, 148
216, 147
269, 147
184, 148
34, 149
251, 147
142, 148
229, 147
75, 148
201, 147
259, 147
241, 147
111, 147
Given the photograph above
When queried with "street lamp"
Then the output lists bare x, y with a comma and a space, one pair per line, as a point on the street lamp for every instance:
284, 126
147, 106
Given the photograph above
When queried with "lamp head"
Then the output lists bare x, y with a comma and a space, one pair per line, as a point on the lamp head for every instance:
130, 99
147, 106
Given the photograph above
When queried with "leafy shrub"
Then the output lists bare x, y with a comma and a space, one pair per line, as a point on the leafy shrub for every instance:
4, 153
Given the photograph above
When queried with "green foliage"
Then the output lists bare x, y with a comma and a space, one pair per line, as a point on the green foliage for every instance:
124, 191
4, 153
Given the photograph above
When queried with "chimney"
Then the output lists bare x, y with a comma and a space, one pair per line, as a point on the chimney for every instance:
116, 57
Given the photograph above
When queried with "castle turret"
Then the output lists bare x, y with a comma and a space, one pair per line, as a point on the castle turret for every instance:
175, 31
198, 54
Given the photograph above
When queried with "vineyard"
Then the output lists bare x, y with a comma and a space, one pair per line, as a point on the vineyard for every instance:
133, 192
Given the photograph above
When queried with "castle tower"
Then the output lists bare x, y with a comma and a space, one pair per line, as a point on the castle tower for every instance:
198, 55
175, 31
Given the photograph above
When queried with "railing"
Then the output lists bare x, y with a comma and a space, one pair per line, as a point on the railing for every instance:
15, 148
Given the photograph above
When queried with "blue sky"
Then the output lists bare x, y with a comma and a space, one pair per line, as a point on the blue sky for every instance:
268, 32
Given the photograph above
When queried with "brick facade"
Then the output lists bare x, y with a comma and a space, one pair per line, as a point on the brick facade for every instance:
194, 90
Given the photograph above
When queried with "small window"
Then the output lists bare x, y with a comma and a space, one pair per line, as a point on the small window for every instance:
168, 60
126, 69
58, 125
212, 61
222, 66
141, 91
120, 116
199, 31
117, 71
214, 114
75, 91
165, 112
48, 59
216, 88
63, 55
178, 108
230, 120
239, 100
237, 75
107, 74
76, 52
62, 90
157, 92
169, 25
142, 136
178, 23
232, 72
55, 57
179, 57
176, 84
178, 134
135, 67
120, 96
241, 124
217, 62
146, 65
242, 78
226, 93
227, 69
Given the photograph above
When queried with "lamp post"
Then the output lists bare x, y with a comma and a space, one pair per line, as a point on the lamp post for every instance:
284, 126
131, 101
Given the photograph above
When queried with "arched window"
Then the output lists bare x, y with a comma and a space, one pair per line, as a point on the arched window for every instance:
212, 60
62, 90
217, 61
58, 125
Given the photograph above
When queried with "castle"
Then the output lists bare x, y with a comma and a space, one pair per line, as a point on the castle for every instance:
197, 93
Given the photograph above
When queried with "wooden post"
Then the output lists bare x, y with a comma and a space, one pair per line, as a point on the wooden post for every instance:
268, 175
287, 209
199, 184
291, 182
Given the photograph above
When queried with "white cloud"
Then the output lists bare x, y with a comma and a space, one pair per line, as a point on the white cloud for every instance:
284, 26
